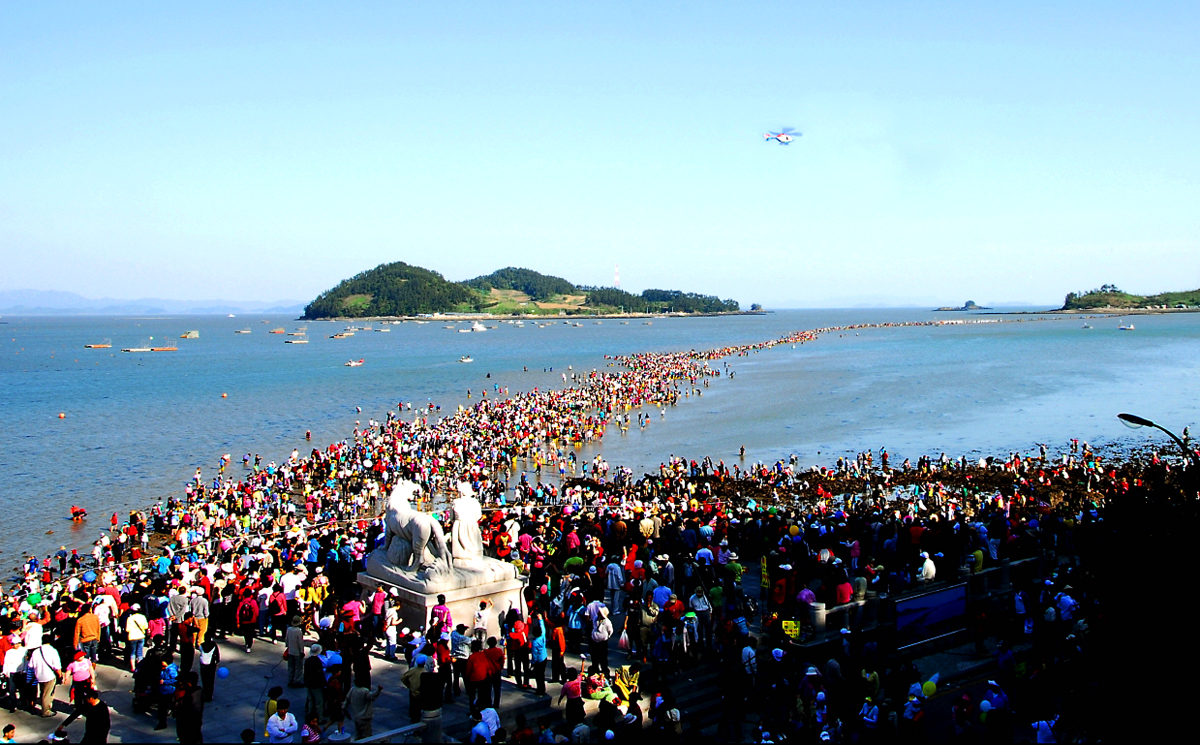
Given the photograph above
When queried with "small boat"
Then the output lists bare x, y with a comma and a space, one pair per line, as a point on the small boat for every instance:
231, 316
279, 330
136, 349
383, 330
352, 363
477, 326
342, 335
1087, 325
105, 345
465, 358
242, 331
295, 341
647, 323
164, 349
448, 327
190, 335
464, 331
1126, 328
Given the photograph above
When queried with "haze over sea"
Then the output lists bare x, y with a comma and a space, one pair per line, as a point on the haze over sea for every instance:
138, 425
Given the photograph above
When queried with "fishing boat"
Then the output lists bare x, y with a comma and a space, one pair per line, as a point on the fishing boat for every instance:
295, 341
136, 349
383, 330
279, 330
190, 335
353, 363
477, 326
465, 358
342, 335
1126, 328
105, 345
242, 331
164, 349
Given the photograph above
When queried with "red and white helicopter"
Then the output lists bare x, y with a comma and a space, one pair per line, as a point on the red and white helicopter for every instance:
783, 136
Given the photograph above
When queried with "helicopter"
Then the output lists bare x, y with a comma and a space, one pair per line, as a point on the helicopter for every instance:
783, 136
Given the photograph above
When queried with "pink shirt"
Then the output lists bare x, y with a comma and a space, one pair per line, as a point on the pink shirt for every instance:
80, 670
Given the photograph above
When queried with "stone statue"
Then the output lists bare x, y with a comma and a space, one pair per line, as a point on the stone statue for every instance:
465, 539
415, 554
410, 533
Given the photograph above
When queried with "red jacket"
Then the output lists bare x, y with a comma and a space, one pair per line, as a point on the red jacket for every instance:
478, 667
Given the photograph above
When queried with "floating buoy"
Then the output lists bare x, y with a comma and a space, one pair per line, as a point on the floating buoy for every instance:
61, 415
224, 395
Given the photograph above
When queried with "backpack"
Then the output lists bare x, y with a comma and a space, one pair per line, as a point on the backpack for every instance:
245, 614
575, 618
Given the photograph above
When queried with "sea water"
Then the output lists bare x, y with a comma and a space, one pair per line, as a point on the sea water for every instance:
137, 425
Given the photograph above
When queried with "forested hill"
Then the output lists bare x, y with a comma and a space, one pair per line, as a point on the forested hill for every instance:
400, 289
536, 285
658, 301
395, 289
1109, 296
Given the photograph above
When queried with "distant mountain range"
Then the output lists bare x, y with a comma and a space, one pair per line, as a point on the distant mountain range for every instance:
53, 303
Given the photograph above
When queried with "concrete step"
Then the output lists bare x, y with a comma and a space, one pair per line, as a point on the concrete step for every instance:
456, 721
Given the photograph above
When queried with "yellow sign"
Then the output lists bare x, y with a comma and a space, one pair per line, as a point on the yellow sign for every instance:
791, 628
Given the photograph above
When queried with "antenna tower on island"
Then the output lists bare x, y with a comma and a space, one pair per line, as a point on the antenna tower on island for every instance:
617, 277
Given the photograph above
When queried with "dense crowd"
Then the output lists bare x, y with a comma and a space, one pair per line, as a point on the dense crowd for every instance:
653, 567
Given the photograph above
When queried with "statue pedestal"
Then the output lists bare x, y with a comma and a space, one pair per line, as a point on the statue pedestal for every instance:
417, 606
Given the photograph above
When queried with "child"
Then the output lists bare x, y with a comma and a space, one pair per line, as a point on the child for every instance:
272, 706
282, 725
311, 732
10, 733
481, 623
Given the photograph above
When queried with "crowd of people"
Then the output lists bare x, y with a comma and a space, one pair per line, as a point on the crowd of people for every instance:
653, 567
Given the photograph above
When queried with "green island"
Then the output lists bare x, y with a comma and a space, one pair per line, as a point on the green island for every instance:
1109, 296
400, 289
969, 305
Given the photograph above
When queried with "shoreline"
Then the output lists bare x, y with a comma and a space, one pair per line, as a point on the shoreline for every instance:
1097, 312
527, 316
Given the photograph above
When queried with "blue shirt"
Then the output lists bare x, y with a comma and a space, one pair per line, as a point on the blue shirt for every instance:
169, 676
662, 594
538, 648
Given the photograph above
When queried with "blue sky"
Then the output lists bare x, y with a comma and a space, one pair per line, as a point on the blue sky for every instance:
263, 152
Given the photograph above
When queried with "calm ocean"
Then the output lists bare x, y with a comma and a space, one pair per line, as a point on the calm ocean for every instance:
138, 425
